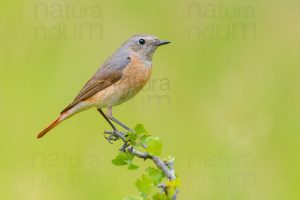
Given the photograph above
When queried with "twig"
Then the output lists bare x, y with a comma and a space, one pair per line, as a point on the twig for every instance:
166, 167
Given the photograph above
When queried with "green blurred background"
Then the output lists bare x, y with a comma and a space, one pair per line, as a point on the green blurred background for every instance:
224, 97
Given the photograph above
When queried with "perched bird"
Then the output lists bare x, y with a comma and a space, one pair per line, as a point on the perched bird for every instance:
119, 78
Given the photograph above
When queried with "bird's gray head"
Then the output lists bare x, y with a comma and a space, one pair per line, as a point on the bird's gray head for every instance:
143, 45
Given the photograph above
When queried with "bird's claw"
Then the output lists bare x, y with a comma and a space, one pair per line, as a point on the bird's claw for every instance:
114, 136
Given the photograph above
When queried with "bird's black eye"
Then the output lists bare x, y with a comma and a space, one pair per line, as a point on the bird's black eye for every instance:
141, 41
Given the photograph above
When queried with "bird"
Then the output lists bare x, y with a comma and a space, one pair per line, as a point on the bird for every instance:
117, 80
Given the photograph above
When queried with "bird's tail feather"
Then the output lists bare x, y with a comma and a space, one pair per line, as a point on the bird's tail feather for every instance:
52, 125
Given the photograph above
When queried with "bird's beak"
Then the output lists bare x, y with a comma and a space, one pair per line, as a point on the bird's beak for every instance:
163, 42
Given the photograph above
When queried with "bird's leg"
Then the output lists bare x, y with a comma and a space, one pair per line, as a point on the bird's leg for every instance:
113, 135
110, 116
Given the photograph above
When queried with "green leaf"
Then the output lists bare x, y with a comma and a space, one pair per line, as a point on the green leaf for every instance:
153, 145
172, 186
174, 183
144, 184
144, 140
156, 174
132, 137
160, 196
122, 159
139, 129
132, 166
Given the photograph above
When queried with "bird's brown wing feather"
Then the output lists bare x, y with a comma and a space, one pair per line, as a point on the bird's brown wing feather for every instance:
108, 74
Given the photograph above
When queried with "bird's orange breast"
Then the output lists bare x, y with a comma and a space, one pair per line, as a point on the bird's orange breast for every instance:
135, 76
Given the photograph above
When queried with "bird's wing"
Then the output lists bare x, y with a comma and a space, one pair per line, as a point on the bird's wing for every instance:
110, 73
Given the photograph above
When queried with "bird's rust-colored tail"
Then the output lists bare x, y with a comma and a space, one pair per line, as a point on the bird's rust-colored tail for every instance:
51, 126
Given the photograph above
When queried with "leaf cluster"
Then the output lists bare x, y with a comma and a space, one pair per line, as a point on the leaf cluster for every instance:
153, 184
